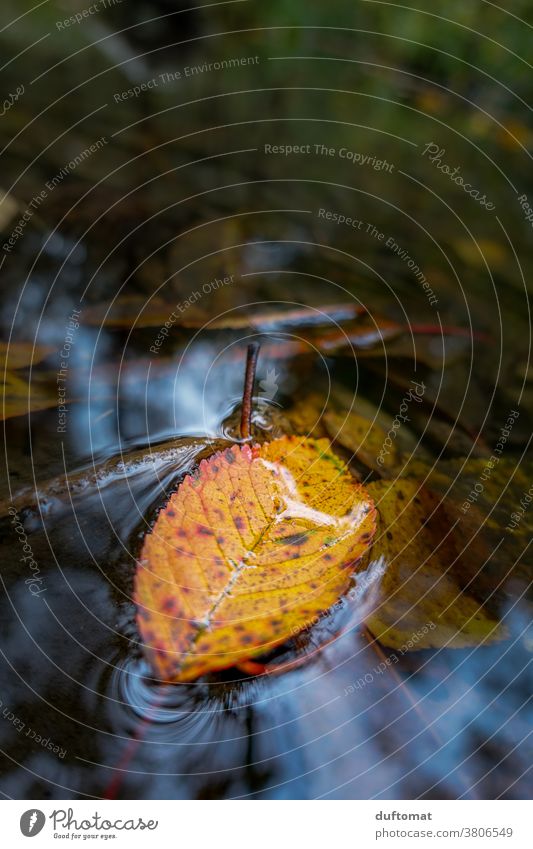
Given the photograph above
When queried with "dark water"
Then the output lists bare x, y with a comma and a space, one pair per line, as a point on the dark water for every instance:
181, 196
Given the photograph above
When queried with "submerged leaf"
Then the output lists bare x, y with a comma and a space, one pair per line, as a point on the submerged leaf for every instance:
489, 498
14, 355
20, 397
361, 336
421, 601
247, 554
481, 252
129, 311
164, 460
276, 319
366, 439
132, 311
9, 207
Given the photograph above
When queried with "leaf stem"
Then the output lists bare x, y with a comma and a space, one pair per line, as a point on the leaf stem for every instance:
249, 378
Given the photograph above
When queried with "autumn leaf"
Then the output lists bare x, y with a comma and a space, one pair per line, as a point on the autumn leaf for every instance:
248, 553
423, 584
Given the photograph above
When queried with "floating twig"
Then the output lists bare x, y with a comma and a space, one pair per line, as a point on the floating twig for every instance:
249, 378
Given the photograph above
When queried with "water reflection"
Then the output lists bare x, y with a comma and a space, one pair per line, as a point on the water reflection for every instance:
450, 723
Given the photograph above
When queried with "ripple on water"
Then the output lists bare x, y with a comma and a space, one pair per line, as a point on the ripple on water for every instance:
171, 710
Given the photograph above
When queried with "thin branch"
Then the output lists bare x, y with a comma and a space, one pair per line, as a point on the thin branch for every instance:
249, 378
